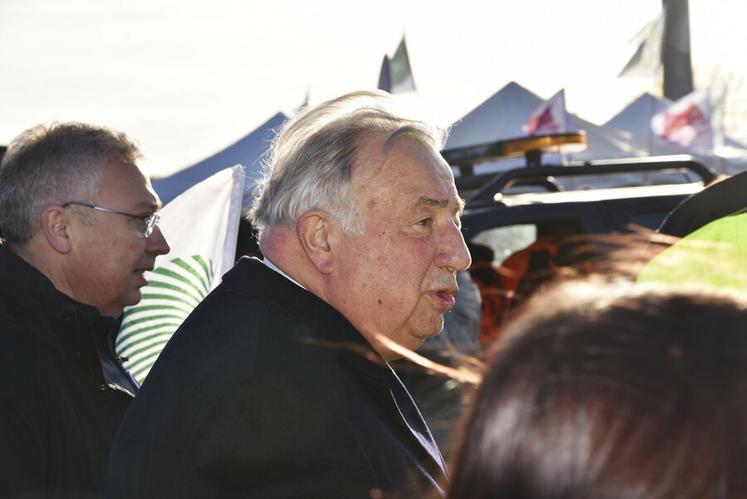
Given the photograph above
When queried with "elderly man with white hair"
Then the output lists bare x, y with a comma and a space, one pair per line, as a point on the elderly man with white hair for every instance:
278, 385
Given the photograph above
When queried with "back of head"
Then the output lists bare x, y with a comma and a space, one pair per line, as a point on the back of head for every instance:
54, 164
615, 393
314, 156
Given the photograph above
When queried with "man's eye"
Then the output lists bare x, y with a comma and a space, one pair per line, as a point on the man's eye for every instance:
425, 222
141, 221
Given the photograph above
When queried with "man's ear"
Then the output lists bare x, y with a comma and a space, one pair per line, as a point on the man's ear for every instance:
314, 232
54, 226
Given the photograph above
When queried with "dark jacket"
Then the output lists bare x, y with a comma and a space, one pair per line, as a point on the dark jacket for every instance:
264, 392
58, 413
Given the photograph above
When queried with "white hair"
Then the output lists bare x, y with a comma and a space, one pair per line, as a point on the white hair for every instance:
314, 155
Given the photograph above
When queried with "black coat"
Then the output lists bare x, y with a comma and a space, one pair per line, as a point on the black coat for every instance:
263, 392
58, 412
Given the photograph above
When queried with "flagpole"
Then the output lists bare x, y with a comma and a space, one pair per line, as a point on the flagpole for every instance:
722, 124
650, 131
675, 55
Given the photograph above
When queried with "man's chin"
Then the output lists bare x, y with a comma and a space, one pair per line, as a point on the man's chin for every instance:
133, 297
434, 330
390, 346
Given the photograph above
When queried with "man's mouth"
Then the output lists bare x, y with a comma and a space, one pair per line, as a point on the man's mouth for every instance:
444, 299
141, 273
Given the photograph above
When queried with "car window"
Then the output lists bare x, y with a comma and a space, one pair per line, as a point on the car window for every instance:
506, 240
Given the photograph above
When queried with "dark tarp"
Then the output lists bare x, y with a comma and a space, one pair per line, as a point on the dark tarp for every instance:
715, 201
248, 152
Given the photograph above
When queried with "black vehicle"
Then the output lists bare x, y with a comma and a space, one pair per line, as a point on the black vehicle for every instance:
509, 209
527, 224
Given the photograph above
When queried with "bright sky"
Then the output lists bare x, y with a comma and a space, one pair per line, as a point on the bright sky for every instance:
186, 78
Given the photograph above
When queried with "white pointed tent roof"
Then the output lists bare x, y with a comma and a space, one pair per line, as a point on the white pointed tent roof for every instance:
247, 151
635, 118
503, 114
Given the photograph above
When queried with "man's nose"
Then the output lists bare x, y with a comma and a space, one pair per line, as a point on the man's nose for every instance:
157, 244
453, 253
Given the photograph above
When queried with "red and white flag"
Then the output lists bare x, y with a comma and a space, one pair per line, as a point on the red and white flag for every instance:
550, 117
686, 122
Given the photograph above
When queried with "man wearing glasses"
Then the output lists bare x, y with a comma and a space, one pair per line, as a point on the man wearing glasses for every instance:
79, 226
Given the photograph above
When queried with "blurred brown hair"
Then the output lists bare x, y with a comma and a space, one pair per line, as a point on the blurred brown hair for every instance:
606, 390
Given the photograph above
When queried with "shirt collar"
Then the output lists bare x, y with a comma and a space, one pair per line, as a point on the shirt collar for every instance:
274, 267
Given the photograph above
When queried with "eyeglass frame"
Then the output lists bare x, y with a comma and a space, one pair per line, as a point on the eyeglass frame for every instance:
151, 221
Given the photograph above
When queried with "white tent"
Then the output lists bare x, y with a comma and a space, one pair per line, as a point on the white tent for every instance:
503, 114
248, 152
635, 118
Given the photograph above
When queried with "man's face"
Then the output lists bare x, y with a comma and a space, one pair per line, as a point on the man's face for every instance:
399, 277
108, 257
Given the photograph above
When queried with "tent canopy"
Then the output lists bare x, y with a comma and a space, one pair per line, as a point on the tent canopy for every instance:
502, 115
248, 152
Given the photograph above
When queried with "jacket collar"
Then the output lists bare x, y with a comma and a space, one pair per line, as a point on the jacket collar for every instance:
76, 329
31, 293
252, 278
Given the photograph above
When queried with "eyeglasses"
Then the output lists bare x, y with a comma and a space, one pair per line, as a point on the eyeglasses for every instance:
150, 220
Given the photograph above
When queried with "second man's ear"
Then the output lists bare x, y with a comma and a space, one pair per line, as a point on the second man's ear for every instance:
315, 232
55, 227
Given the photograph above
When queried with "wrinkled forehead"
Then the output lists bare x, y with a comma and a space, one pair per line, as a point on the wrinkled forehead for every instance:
410, 171
377, 153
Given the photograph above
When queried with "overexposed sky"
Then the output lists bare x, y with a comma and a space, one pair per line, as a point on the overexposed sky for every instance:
187, 78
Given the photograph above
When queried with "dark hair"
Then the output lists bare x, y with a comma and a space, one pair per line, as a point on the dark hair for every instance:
611, 392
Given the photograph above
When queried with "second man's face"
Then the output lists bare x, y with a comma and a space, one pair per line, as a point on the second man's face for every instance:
398, 278
111, 255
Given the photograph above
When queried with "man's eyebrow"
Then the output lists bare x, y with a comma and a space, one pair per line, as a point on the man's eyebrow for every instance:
148, 206
426, 201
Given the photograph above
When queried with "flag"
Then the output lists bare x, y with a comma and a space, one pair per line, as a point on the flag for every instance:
305, 102
718, 111
646, 59
687, 122
395, 75
385, 77
201, 226
549, 117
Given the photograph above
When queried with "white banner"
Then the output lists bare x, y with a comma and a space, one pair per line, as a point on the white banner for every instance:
201, 226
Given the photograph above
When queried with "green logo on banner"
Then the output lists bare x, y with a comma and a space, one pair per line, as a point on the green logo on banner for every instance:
174, 289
